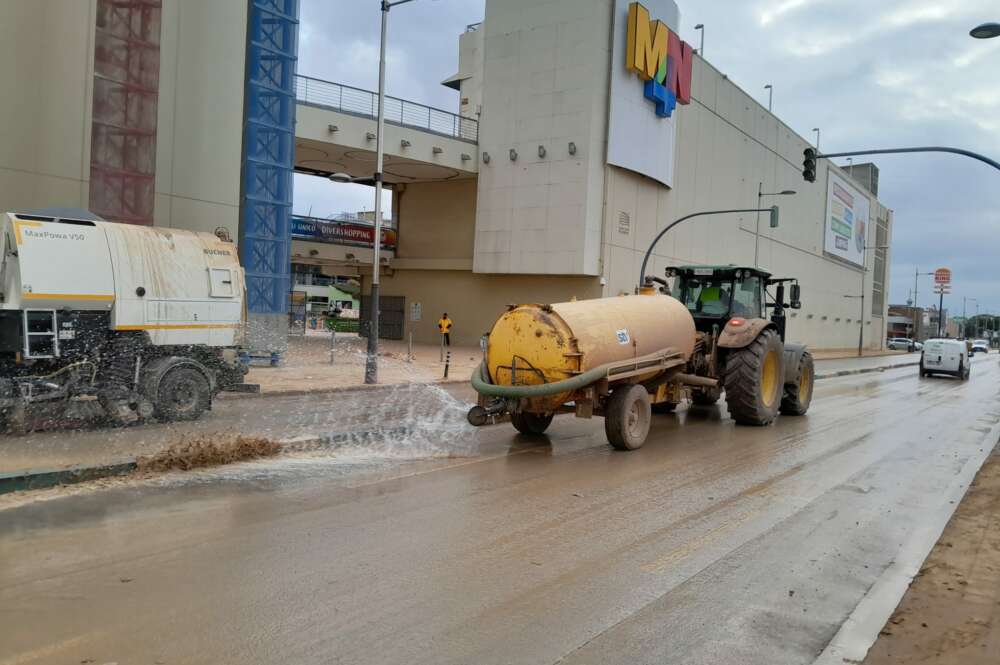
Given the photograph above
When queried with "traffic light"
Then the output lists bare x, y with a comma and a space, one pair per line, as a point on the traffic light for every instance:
809, 165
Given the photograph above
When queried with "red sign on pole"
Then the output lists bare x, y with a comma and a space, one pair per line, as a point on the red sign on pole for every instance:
942, 276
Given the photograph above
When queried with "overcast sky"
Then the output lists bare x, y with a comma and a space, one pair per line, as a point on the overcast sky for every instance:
884, 73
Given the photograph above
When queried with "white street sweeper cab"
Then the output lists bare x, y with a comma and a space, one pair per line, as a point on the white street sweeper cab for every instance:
124, 322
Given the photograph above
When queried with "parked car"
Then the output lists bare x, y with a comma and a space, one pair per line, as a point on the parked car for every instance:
902, 344
980, 346
944, 356
918, 346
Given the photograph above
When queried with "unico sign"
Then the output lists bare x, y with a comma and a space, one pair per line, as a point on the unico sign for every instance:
660, 58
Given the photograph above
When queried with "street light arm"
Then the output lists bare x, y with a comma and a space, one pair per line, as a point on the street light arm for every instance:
649, 251
893, 151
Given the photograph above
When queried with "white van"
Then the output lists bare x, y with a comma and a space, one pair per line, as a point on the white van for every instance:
944, 356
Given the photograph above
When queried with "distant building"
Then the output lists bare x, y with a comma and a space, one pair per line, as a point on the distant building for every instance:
905, 321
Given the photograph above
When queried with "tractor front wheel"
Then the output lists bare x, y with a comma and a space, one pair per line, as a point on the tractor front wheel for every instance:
754, 380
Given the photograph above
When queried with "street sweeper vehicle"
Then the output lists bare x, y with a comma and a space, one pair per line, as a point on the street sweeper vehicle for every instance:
100, 320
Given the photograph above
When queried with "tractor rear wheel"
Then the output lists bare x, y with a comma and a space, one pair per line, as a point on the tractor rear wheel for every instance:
531, 423
798, 395
627, 416
754, 380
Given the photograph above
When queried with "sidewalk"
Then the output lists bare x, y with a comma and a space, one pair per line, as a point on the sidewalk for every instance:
951, 612
306, 367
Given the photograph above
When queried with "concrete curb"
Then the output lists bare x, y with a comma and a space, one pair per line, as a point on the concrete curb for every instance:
46, 478
865, 370
338, 389
37, 479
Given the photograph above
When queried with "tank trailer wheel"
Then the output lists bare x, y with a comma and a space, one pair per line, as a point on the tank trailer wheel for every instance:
706, 396
531, 423
754, 380
627, 417
799, 394
183, 394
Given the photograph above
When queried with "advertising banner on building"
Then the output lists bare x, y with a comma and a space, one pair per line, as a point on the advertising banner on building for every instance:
650, 77
340, 233
846, 228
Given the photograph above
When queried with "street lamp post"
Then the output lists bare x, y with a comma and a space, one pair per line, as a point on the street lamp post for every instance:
864, 271
371, 359
770, 96
756, 236
816, 129
965, 318
701, 28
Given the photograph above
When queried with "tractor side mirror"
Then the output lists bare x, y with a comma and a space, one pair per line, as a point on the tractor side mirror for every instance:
795, 296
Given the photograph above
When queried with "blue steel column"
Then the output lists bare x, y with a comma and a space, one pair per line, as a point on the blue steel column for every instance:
268, 163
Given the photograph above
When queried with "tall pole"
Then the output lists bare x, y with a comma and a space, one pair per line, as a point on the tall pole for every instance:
861, 323
371, 361
756, 235
941, 313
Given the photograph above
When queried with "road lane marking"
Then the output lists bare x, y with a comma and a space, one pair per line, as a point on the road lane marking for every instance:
46, 651
861, 628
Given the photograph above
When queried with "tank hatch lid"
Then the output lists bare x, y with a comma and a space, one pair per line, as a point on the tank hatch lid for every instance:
56, 214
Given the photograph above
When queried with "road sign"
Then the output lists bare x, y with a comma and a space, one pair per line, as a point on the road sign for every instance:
942, 276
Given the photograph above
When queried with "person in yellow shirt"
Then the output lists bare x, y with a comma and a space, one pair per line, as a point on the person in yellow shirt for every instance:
444, 325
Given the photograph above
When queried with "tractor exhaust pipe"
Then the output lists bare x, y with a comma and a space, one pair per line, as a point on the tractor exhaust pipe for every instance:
699, 381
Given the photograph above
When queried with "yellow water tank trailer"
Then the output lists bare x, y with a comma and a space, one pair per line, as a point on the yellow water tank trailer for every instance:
541, 357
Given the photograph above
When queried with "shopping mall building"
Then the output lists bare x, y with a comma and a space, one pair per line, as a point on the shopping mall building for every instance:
584, 127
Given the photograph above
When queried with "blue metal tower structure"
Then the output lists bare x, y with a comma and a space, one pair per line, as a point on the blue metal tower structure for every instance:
268, 166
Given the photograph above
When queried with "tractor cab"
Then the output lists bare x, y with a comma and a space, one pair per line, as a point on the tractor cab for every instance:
716, 294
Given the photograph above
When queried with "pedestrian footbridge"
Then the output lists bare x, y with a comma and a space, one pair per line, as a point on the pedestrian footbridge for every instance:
335, 133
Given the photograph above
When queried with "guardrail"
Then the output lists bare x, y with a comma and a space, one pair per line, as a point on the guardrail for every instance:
339, 97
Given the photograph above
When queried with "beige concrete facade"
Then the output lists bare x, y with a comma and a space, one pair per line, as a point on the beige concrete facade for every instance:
545, 87
47, 67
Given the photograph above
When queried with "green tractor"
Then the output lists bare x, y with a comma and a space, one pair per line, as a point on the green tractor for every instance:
739, 345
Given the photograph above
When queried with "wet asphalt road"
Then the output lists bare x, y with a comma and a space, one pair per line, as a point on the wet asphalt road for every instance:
712, 544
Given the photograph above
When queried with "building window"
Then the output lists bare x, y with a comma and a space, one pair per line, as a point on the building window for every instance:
878, 273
